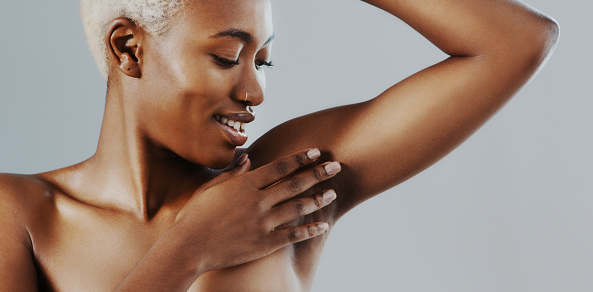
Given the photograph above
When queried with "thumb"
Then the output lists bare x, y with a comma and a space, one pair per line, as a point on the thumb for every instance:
243, 165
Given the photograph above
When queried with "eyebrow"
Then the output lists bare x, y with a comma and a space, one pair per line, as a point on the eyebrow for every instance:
239, 34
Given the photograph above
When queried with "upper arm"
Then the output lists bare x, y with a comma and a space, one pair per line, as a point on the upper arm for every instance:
384, 141
16, 257
413, 124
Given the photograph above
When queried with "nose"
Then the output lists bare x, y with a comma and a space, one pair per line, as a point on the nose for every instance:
251, 88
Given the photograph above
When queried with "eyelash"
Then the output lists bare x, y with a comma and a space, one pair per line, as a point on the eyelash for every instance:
227, 64
261, 64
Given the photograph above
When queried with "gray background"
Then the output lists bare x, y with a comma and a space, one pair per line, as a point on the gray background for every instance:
509, 210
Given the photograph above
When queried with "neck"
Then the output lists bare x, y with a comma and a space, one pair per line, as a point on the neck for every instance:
132, 173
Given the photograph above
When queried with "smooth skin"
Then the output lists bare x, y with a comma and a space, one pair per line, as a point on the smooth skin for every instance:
148, 213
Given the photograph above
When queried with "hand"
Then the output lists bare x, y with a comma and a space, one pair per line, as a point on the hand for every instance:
233, 219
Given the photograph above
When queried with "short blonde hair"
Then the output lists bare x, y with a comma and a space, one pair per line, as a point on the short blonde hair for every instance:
152, 15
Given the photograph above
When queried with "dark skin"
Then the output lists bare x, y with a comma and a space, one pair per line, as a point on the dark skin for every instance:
147, 212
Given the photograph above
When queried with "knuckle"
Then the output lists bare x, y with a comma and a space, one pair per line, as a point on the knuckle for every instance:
293, 234
299, 206
294, 184
270, 227
267, 224
301, 159
318, 173
318, 199
265, 200
281, 167
266, 227
311, 230
260, 206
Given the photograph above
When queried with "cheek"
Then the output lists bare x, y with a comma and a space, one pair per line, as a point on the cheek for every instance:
186, 125
180, 99
199, 77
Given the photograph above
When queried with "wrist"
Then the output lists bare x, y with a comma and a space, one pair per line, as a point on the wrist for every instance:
168, 263
192, 257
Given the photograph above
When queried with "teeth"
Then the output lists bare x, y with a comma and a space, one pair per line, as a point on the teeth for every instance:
233, 124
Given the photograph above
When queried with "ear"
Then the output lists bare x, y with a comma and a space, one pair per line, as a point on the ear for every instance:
123, 46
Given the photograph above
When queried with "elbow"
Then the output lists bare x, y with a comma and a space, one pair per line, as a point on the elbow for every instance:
530, 45
542, 41
549, 33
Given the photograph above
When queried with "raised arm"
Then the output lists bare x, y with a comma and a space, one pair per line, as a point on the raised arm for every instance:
495, 46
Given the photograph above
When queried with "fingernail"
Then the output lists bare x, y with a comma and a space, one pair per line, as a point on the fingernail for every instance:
242, 159
333, 168
323, 227
313, 153
329, 196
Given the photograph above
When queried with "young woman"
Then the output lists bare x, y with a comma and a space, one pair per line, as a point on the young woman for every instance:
149, 211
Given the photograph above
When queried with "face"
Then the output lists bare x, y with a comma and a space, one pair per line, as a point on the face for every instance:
200, 79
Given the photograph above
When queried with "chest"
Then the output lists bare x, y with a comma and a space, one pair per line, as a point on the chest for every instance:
94, 252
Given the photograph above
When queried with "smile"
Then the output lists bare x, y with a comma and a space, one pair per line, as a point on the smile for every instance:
238, 126
233, 126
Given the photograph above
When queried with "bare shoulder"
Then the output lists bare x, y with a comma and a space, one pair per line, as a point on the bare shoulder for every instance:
19, 192
21, 197
14, 200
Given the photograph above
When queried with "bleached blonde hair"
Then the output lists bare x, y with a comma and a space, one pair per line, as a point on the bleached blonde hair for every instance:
152, 15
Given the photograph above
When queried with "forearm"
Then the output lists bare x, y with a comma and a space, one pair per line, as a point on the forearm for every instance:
169, 265
476, 27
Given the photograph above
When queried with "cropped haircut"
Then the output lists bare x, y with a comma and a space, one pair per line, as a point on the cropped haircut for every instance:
152, 15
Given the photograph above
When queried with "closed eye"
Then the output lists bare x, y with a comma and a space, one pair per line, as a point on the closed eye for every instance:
224, 62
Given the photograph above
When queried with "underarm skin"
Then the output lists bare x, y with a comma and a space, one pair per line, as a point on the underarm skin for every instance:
495, 47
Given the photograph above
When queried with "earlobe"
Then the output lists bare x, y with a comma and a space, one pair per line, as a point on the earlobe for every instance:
129, 65
123, 47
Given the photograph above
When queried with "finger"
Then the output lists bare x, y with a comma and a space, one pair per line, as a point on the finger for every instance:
300, 207
279, 169
301, 182
289, 235
242, 166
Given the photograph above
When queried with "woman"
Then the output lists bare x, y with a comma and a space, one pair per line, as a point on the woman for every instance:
148, 212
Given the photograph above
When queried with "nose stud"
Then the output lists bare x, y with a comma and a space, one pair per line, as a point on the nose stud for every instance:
246, 95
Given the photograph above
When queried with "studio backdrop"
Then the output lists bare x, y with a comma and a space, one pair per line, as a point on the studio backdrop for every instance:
509, 210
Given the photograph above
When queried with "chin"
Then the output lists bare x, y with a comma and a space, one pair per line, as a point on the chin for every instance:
219, 164
218, 160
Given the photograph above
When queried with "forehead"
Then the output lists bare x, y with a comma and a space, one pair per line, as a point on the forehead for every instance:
205, 18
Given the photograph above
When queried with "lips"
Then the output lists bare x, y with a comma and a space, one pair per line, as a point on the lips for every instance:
233, 125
